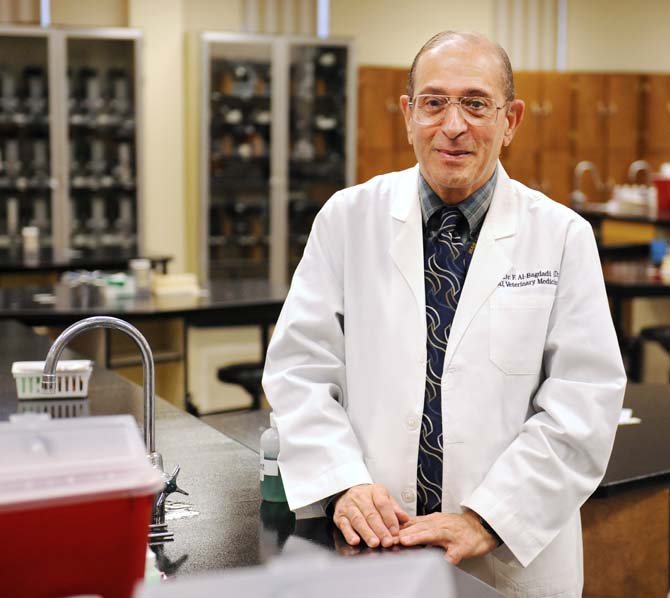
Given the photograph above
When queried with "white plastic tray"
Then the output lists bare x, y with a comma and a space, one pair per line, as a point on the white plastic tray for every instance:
71, 379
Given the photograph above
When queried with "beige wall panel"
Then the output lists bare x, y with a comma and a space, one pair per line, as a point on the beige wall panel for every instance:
619, 35
163, 112
100, 13
390, 33
213, 15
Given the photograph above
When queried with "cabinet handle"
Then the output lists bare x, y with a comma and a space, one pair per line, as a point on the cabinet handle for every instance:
391, 106
535, 108
547, 108
613, 109
601, 109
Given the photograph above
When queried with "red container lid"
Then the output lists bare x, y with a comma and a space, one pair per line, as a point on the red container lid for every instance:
52, 462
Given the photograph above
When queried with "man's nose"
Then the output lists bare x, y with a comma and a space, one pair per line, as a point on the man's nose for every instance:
453, 123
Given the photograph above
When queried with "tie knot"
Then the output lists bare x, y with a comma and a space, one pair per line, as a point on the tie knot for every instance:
450, 217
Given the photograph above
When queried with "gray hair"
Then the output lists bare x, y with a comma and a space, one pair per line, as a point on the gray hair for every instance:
477, 38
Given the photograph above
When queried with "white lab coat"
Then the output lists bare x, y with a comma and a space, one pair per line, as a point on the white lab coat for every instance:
532, 385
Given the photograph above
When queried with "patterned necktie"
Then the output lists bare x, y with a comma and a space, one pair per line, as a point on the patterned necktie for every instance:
445, 264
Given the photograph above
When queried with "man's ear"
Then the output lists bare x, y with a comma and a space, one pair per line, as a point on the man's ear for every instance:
514, 116
407, 113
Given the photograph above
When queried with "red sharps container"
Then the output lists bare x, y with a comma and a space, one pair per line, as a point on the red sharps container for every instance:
75, 506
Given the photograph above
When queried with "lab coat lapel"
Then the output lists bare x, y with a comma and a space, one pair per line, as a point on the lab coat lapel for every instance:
407, 244
489, 262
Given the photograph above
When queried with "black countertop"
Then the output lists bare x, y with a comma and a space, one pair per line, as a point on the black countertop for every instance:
596, 211
13, 262
222, 523
237, 302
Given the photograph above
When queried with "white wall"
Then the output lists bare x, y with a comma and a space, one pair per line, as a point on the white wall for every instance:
618, 35
390, 32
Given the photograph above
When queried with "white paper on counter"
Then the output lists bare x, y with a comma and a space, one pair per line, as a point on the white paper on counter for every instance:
626, 417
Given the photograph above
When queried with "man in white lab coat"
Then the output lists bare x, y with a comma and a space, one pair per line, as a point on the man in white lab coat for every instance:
530, 379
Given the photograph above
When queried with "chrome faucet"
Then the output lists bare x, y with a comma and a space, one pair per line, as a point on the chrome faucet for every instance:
638, 166
577, 196
158, 527
48, 385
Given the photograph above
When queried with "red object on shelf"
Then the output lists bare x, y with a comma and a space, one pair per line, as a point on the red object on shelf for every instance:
75, 506
662, 185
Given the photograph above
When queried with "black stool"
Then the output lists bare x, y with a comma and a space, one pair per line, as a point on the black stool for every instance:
248, 376
657, 334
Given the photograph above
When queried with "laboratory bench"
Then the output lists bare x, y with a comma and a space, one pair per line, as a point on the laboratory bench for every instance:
164, 320
222, 523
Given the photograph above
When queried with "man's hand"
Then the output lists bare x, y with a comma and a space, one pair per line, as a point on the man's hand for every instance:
462, 536
369, 512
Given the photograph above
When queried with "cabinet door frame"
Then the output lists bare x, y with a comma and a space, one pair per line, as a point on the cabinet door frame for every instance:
279, 47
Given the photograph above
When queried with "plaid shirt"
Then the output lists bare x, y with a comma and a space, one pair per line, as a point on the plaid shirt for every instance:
473, 207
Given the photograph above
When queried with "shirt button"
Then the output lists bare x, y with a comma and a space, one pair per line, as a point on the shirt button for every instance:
408, 495
412, 422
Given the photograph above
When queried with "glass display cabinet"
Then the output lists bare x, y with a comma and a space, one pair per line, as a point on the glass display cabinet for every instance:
278, 118
70, 144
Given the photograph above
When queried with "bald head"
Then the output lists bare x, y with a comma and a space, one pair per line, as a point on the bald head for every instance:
474, 39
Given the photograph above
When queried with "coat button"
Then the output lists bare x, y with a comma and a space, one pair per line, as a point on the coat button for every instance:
413, 422
408, 495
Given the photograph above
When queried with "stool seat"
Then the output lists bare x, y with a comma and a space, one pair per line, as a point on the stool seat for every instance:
247, 375
656, 334
659, 334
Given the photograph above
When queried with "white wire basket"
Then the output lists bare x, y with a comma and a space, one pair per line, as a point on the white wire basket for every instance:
71, 379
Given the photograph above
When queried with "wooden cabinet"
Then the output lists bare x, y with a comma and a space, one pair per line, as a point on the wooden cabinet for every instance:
656, 119
610, 119
539, 154
382, 136
607, 126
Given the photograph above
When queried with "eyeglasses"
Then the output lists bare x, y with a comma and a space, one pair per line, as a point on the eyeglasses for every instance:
430, 109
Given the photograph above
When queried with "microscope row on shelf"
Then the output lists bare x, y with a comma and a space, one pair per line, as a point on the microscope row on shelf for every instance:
113, 222
97, 101
92, 168
26, 165
93, 100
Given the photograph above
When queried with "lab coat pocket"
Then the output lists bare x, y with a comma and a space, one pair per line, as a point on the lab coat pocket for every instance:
518, 330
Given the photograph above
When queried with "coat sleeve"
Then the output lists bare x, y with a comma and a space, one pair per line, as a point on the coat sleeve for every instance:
561, 453
305, 379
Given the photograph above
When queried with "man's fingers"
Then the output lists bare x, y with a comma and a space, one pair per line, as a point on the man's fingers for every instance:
348, 532
422, 533
453, 554
401, 514
385, 507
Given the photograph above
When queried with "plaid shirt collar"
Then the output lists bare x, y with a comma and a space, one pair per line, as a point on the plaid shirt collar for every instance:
473, 207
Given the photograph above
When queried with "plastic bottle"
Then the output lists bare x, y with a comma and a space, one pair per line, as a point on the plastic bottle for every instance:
272, 487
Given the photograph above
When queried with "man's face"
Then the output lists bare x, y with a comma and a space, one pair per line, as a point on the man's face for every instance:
455, 157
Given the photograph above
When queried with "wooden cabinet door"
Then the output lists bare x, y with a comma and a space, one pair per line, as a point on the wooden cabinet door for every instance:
556, 168
376, 116
590, 111
556, 111
618, 162
527, 88
403, 152
656, 101
623, 122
